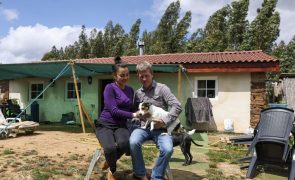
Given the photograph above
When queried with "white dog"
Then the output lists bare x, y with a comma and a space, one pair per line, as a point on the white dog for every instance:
151, 112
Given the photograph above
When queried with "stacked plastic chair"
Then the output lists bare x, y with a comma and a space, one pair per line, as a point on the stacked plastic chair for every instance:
270, 144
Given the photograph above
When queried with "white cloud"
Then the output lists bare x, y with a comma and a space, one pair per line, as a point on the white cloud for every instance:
10, 14
203, 9
29, 43
287, 26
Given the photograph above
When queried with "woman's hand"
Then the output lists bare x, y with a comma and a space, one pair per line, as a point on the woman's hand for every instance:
136, 114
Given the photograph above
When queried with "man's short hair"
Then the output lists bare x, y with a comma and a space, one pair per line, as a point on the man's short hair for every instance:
144, 66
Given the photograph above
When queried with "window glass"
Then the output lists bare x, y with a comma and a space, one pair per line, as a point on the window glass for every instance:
36, 89
201, 84
206, 88
71, 94
210, 83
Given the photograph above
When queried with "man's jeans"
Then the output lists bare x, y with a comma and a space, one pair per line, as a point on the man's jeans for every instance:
163, 142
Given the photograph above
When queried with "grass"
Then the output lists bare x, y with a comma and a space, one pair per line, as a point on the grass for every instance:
30, 153
38, 174
8, 151
149, 155
64, 128
227, 153
224, 153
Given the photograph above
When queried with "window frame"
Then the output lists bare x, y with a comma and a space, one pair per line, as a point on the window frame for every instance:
66, 89
38, 92
196, 88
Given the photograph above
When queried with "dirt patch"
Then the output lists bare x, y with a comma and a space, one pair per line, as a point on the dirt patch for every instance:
65, 155
231, 169
48, 154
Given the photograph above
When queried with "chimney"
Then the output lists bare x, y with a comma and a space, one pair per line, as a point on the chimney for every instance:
141, 47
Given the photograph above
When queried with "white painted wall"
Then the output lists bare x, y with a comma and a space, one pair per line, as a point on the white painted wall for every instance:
232, 101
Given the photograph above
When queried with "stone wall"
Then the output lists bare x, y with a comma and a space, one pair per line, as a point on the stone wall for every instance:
258, 96
4, 90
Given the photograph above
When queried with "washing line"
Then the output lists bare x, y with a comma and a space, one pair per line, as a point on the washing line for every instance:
32, 101
189, 81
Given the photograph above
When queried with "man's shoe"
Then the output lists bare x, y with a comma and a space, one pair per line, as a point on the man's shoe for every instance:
104, 165
165, 177
140, 178
111, 176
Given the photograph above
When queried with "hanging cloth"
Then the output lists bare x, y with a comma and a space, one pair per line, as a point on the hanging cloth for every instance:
198, 110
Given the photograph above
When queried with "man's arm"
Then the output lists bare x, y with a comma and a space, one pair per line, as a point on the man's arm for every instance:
173, 104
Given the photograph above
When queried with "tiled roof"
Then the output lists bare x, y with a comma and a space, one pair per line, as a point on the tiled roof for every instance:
183, 58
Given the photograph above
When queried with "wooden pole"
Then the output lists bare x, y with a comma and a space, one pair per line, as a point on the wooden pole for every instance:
87, 116
179, 82
78, 97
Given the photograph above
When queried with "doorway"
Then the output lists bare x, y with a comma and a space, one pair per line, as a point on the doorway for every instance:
103, 83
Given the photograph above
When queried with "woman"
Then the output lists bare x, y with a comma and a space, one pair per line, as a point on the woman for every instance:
111, 129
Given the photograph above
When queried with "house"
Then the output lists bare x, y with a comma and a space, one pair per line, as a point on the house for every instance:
234, 82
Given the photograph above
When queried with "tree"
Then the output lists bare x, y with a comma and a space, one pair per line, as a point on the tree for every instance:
286, 55
132, 39
84, 48
51, 55
148, 39
98, 48
114, 39
216, 30
164, 30
237, 24
178, 39
170, 36
196, 41
264, 29
92, 38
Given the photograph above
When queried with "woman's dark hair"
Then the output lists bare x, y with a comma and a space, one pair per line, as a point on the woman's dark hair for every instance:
118, 63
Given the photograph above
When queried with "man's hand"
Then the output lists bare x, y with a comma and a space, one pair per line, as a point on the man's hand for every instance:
159, 123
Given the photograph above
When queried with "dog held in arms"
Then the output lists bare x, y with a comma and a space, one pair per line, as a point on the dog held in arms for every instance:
180, 136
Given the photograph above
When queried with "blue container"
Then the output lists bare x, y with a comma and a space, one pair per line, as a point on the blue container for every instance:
278, 105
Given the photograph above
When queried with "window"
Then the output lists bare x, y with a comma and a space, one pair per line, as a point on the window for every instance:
206, 87
71, 94
36, 89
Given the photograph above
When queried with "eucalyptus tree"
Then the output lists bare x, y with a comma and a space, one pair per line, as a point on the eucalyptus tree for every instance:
51, 55
71, 52
98, 48
264, 29
178, 39
84, 47
237, 24
170, 35
286, 55
216, 30
196, 41
132, 39
164, 30
149, 40
93, 34
114, 39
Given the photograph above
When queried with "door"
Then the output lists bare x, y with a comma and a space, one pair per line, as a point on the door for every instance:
103, 84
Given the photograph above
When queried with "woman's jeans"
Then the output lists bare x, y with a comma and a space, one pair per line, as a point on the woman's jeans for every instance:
163, 142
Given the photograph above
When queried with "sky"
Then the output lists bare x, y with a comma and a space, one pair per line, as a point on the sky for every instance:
29, 29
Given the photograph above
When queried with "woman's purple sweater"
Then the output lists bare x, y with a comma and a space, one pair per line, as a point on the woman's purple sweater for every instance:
118, 104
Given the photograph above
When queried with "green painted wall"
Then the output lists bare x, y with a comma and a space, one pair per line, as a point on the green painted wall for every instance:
54, 102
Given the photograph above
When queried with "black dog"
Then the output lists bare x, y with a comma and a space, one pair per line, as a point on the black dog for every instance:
183, 139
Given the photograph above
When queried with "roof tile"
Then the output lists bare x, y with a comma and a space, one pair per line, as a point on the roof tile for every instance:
183, 58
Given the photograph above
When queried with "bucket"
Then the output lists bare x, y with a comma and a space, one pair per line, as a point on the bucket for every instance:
228, 125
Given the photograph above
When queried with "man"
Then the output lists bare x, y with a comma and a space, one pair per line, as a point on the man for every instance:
159, 95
